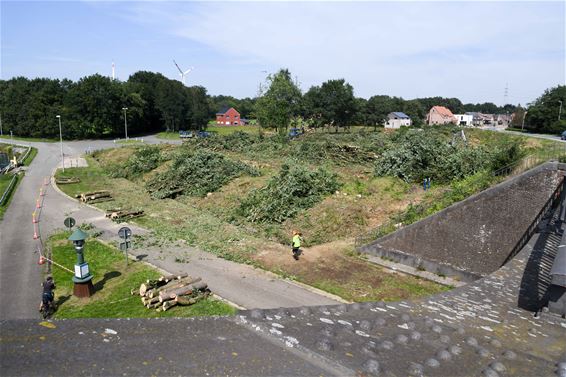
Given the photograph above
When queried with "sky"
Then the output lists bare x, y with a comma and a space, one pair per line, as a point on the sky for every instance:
480, 51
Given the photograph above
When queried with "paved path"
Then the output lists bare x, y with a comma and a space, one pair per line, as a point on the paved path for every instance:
20, 276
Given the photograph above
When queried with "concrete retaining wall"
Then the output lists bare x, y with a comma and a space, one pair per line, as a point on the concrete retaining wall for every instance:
473, 238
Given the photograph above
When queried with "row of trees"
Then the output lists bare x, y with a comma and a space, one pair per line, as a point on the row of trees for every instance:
93, 106
334, 103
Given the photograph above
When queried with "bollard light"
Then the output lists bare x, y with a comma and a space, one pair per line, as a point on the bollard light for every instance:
83, 279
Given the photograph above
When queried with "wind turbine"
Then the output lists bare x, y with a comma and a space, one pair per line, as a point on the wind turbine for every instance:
181, 73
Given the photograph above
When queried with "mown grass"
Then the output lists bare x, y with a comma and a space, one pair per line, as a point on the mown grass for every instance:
112, 281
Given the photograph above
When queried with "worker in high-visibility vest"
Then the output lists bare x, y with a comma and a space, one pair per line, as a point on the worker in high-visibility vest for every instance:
297, 239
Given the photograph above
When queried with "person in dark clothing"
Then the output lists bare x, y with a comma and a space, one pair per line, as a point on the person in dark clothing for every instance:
47, 296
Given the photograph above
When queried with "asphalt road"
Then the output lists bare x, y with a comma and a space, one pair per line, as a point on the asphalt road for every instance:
21, 276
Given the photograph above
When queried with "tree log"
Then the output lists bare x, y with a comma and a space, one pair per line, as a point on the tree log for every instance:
150, 284
171, 285
186, 300
182, 291
175, 284
135, 291
173, 277
152, 300
168, 304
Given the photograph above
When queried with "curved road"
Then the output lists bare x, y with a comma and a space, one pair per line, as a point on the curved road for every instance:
20, 275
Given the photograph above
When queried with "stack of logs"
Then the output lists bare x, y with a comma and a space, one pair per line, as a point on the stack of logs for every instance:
120, 215
171, 290
95, 196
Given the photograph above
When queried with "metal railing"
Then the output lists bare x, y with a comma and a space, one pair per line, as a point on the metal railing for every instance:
545, 210
6, 193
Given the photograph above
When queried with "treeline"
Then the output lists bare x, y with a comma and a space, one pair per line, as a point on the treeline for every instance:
544, 115
93, 106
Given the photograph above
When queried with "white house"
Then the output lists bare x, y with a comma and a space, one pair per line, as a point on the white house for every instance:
464, 119
397, 119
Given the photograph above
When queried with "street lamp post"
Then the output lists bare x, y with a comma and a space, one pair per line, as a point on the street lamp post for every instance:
559, 110
82, 279
125, 121
524, 116
61, 140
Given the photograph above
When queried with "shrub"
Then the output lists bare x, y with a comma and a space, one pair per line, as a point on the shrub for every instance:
506, 153
295, 188
143, 160
418, 155
196, 173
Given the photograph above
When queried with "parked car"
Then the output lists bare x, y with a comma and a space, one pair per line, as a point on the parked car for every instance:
185, 134
563, 137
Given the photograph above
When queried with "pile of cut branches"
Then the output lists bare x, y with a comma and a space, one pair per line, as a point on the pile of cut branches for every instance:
196, 173
143, 160
296, 188
341, 154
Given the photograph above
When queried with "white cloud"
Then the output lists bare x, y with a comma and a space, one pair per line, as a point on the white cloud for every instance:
409, 49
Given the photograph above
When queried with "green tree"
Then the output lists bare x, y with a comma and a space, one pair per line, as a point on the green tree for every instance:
332, 104
171, 101
278, 102
542, 115
197, 110
95, 107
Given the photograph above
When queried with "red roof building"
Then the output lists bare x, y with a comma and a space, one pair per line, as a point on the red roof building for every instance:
228, 116
440, 115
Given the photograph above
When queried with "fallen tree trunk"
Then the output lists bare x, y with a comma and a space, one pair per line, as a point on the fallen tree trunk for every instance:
182, 291
173, 277
169, 304
149, 285
186, 300
173, 285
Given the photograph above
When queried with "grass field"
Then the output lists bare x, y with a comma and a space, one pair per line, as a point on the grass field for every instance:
113, 281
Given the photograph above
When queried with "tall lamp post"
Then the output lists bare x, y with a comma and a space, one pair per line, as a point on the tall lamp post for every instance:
125, 121
83, 279
61, 140
559, 110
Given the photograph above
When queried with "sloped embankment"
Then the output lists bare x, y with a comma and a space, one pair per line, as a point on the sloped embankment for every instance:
473, 238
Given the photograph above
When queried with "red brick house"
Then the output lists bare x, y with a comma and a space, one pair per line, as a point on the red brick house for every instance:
440, 115
228, 116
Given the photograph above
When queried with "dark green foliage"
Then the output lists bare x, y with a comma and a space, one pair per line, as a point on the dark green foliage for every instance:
543, 114
420, 154
294, 189
196, 173
506, 153
427, 154
330, 151
143, 160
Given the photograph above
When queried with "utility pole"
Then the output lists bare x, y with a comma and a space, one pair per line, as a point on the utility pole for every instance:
61, 140
125, 121
524, 116
559, 110
1, 133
